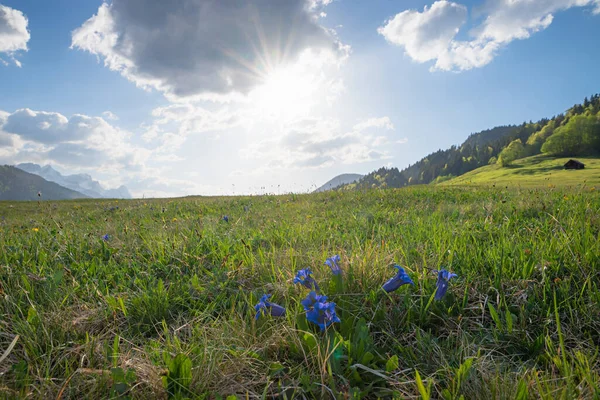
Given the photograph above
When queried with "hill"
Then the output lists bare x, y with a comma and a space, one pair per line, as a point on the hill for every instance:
16, 184
536, 171
576, 133
82, 183
338, 181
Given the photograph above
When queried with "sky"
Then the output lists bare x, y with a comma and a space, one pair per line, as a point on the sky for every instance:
223, 97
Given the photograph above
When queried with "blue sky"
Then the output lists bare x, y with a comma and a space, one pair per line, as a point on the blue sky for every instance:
362, 84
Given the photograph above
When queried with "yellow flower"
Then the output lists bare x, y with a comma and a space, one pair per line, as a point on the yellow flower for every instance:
174, 219
35, 229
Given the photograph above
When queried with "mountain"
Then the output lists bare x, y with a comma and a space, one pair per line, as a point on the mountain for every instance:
16, 184
82, 183
339, 180
575, 133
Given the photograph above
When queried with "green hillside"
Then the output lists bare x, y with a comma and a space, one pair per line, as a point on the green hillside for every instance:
575, 134
536, 171
16, 184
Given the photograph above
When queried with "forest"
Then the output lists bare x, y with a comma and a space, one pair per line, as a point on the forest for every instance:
573, 133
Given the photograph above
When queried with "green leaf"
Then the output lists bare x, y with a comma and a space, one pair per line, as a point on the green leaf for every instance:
495, 316
392, 364
509, 321
367, 358
422, 390
522, 391
276, 368
115, 352
32, 316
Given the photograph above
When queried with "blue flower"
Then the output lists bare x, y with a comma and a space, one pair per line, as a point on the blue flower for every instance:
319, 311
106, 238
264, 304
225, 218
400, 279
333, 264
303, 277
442, 283
311, 299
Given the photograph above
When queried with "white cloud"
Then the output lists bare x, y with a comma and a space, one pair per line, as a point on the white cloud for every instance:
211, 49
381, 123
321, 142
430, 35
13, 33
425, 35
80, 142
110, 115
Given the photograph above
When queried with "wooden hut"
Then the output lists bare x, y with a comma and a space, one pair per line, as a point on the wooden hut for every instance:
574, 164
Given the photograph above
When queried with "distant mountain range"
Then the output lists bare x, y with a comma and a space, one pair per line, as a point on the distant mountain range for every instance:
339, 180
16, 184
82, 183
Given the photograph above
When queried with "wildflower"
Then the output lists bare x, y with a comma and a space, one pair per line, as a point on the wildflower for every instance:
225, 218
400, 279
106, 237
311, 299
442, 283
319, 311
333, 264
303, 277
174, 219
35, 229
274, 309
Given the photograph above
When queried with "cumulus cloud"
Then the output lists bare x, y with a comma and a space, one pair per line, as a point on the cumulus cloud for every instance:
321, 142
190, 48
110, 115
13, 33
424, 35
431, 34
80, 141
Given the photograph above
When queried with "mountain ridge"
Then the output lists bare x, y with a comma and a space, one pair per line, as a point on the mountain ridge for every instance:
337, 181
18, 185
82, 183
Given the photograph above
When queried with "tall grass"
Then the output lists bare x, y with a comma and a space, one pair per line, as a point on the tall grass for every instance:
164, 308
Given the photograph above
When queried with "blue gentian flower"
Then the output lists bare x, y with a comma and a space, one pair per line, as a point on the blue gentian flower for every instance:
400, 279
442, 283
106, 238
319, 311
264, 304
303, 277
333, 264
225, 218
311, 299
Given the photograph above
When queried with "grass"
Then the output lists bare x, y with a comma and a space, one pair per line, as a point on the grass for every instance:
164, 308
536, 171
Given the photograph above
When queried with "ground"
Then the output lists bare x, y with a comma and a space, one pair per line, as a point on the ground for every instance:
163, 307
536, 171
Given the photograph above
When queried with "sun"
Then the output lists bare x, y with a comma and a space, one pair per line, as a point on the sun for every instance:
286, 92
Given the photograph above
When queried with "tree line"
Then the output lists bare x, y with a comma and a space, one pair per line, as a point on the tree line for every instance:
573, 133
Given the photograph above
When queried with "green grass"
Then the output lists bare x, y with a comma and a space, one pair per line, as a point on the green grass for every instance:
164, 309
536, 171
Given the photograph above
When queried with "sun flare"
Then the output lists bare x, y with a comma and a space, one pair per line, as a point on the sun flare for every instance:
287, 92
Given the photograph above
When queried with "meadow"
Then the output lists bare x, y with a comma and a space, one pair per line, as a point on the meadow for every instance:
163, 307
537, 171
